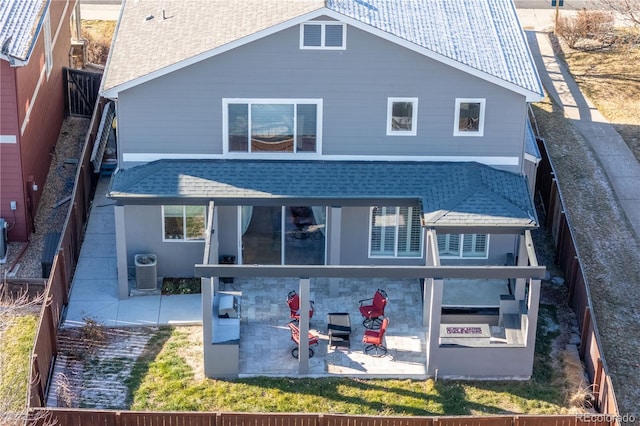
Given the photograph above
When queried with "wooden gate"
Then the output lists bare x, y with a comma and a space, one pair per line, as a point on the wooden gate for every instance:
82, 91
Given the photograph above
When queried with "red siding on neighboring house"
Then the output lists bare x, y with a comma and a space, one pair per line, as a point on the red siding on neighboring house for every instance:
40, 112
11, 188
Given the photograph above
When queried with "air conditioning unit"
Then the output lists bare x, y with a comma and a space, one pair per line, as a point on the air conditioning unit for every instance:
146, 271
4, 241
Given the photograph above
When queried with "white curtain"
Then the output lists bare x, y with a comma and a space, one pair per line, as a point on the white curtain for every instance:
247, 212
320, 216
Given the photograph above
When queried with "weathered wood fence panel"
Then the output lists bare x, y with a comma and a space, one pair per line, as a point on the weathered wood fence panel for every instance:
72, 417
82, 91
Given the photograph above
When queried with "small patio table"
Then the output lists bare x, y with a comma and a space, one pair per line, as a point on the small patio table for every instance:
339, 328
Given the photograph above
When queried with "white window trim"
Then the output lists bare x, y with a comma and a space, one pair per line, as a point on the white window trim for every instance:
322, 25
184, 225
267, 155
460, 250
456, 117
395, 247
48, 44
414, 117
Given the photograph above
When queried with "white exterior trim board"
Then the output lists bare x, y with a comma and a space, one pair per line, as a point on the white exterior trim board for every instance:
146, 157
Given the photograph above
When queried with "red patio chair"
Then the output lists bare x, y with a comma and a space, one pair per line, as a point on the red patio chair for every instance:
293, 301
374, 339
373, 309
295, 336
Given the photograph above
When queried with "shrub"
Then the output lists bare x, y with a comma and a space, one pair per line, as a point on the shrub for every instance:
589, 28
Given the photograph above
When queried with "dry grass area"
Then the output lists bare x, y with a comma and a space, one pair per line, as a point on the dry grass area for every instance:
99, 35
607, 247
611, 80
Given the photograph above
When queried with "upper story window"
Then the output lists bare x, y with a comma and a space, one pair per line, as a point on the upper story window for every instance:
323, 35
395, 232
272, 125
469, 117
183, 223
463, 245
48, 54
402, 116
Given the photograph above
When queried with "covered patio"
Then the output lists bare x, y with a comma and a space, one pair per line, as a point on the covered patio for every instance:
265, 340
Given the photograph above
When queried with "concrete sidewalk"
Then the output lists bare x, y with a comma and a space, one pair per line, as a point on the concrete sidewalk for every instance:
617, 160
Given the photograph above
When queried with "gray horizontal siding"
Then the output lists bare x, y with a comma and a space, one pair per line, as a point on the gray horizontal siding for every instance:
143, 225
181, 112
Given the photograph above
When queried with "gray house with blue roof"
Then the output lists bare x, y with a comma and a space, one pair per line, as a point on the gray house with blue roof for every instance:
332, 133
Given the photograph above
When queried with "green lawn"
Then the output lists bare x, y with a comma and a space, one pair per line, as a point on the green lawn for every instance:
15, 352
162, 379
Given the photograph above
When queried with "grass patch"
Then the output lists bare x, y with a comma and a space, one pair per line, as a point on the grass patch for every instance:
163, 379
14, 361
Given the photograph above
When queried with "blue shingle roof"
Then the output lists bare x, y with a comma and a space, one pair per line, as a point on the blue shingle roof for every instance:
20, 23
450, 193
482, 34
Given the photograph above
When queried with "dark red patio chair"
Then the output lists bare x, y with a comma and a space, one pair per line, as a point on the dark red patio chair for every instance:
374, 340
373, 309
295, 336
293, 301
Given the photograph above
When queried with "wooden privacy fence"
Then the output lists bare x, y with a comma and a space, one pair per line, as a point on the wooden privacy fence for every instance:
77, 417
566, 255
64, 263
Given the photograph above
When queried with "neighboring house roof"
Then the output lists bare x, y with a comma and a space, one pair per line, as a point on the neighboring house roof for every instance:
20, 24
451, 194
482, 37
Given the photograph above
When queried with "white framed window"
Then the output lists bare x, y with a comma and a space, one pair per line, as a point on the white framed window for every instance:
48, 54
323, 35
469, 117
183, 223
463, 246
272, 126
395, 232
402, 116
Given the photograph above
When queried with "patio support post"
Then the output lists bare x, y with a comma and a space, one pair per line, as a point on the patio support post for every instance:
207, 323
334, 229
435, 316
431, 259
531, 321
523, 260
303, 326
121, 253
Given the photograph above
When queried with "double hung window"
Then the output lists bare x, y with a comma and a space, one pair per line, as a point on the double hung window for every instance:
272, 125
463, 245
395, 232
183, 223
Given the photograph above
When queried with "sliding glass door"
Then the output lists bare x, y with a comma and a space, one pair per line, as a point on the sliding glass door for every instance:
289, 235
